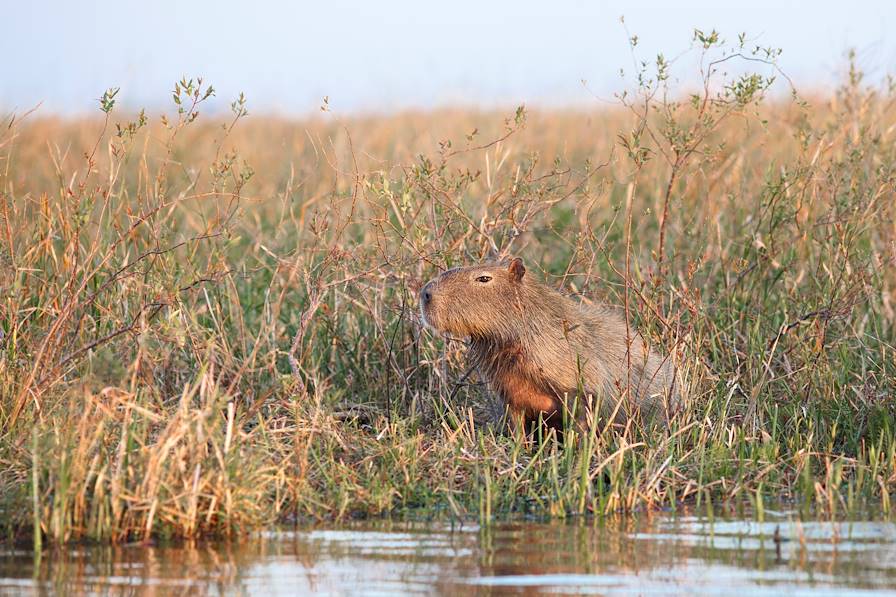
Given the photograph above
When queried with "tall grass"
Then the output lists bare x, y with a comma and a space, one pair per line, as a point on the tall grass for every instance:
210, 325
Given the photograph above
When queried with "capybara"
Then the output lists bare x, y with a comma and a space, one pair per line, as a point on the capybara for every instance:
546, 354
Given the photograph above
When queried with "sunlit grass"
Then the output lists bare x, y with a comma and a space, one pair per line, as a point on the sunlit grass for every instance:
208, 327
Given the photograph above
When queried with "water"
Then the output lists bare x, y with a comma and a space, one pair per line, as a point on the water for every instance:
659, 554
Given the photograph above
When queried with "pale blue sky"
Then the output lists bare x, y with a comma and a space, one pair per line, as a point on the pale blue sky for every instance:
396, 54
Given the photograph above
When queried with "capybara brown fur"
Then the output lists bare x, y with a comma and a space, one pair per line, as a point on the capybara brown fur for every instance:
545, 353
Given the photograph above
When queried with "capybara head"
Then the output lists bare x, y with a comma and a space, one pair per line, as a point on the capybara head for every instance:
481, 300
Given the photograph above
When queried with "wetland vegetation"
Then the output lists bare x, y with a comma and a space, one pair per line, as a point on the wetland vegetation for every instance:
208, 325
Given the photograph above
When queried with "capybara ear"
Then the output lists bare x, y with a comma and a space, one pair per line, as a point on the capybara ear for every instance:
516, 269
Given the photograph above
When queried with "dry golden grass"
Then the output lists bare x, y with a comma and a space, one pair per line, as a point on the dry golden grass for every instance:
209, 326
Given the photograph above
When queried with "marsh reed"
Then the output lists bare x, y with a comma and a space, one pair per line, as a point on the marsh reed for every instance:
209, 325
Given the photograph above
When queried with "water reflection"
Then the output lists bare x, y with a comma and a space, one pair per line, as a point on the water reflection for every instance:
656, 554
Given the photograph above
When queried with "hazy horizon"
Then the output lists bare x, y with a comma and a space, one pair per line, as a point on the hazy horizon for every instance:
399, 55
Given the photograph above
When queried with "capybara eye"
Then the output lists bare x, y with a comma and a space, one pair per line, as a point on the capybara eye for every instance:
484, 279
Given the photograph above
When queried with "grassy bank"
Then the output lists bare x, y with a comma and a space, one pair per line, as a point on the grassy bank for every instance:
210, 325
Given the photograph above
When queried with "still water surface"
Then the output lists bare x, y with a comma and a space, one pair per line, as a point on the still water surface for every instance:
657, 555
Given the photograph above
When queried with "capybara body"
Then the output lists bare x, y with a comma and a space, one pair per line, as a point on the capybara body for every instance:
544, 353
